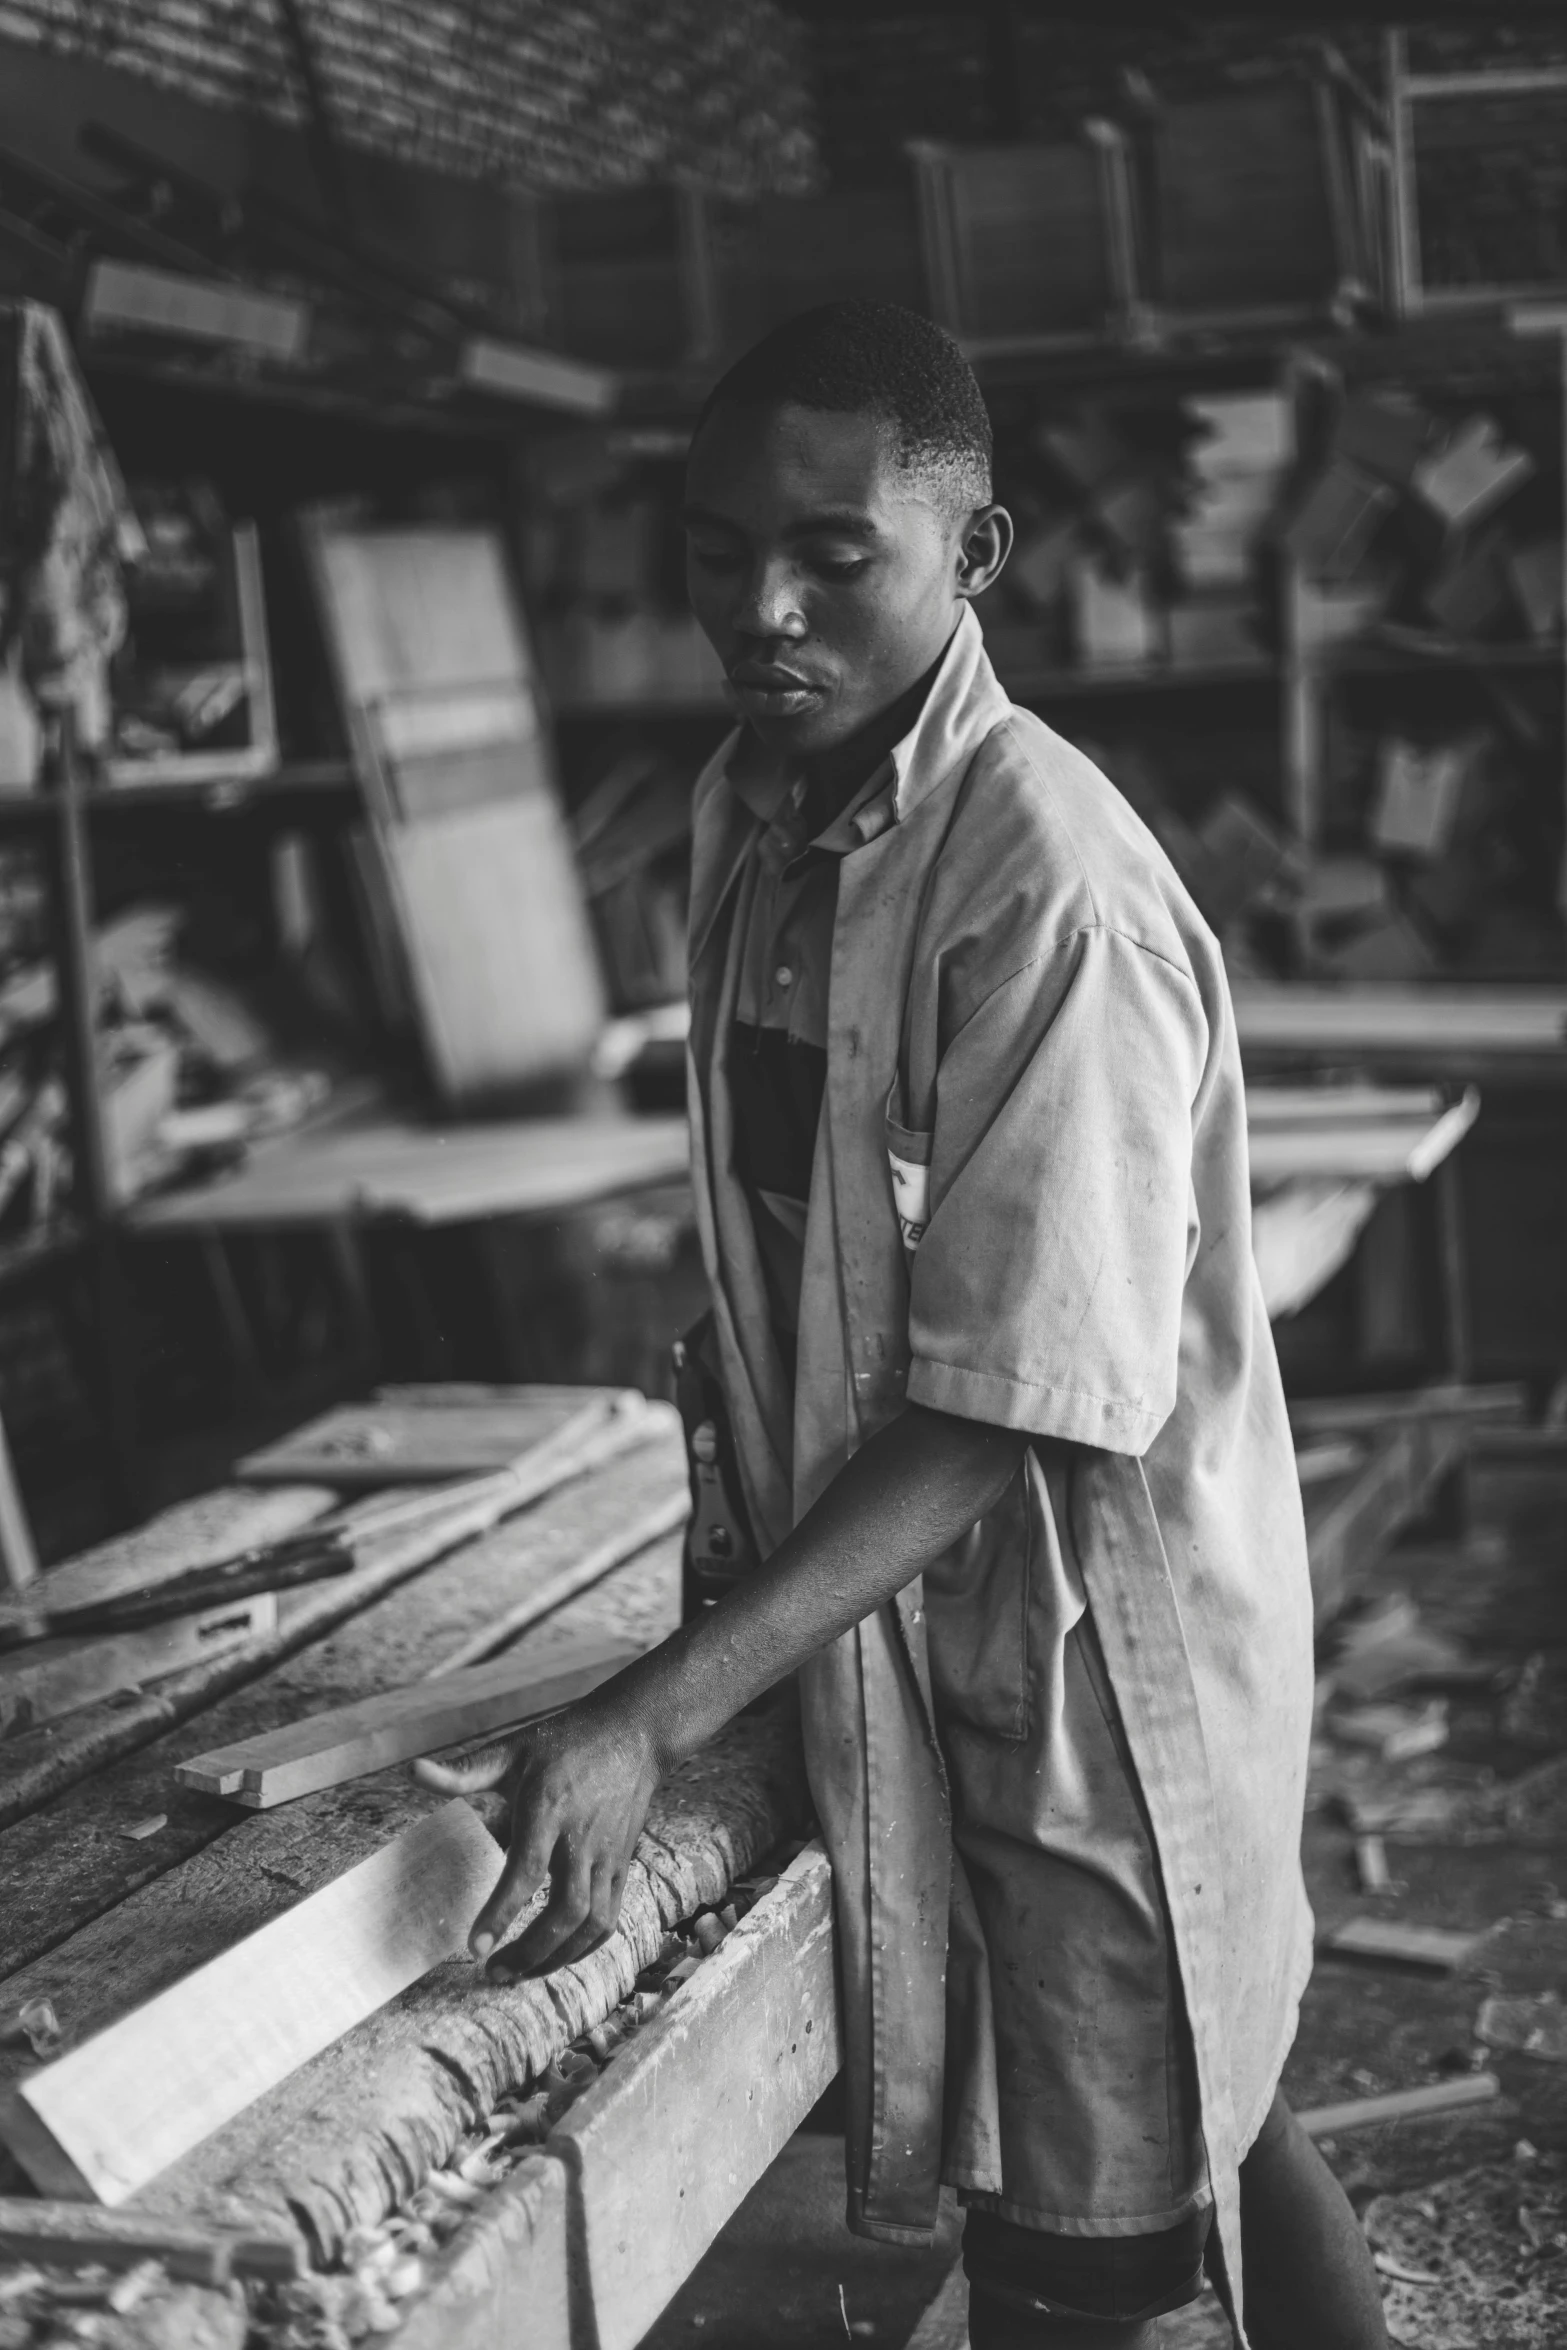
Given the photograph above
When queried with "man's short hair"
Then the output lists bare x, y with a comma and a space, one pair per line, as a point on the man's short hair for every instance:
876, 359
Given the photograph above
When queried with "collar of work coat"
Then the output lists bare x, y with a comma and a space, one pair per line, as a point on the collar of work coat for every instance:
875, 1765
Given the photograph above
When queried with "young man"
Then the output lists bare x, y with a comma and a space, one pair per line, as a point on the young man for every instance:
969, 1149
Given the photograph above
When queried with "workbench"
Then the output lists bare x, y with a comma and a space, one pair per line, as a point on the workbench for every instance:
120, 1882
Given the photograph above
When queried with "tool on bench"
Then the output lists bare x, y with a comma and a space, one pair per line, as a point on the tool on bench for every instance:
294, 1559
281, 1566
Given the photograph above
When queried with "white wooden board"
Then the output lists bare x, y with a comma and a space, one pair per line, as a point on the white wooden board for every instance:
103, 2120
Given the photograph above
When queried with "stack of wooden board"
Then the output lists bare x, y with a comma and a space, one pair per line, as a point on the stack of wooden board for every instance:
375, 1881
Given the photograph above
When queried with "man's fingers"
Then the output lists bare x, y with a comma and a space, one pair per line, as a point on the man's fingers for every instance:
569, 1906
528, 1863
471, 1774
569, 1928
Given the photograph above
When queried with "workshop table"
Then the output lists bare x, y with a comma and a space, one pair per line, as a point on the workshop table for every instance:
122, 1881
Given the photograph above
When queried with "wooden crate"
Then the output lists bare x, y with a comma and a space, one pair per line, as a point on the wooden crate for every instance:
1028, 245
237, 635
1252, 207
1479, 198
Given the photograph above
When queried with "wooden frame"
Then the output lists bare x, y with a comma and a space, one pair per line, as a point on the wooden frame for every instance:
1346, 135
242, 764
975, 199
1406, 92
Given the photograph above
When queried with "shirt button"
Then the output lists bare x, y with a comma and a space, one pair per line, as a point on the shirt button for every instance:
783, 976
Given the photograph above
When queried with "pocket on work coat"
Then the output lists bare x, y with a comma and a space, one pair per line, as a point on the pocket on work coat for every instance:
908, 1160
976, 1612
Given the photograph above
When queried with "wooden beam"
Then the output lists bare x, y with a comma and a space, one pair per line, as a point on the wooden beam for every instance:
667, 2145
510, 2255
103, 2120
660, 2151
1331, 1414
351, 1741
77, 2235
1401, 2105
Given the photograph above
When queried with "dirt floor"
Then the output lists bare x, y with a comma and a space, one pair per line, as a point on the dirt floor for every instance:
1467, 2214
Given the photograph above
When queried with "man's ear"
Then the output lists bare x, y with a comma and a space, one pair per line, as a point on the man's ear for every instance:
985, 545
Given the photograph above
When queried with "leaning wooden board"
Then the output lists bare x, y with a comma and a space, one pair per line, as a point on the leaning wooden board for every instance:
109, 2116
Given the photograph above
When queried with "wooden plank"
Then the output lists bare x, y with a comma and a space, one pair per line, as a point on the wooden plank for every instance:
510, 2256
1337, 1104
1393, 1942
103, 2120
195, 1534
1401, 2105
18, 1554
1301, 1235
513, 371
65, 1864
1433, 1021
670, 2141
373, 1445
350, 1743
639, 1534
49, 1678
534, 1167
1385, 1150
129, 295
77, 2235
1328, 1415
1351, 1521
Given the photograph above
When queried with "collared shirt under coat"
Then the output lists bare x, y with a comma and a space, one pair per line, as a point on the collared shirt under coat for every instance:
1024, 999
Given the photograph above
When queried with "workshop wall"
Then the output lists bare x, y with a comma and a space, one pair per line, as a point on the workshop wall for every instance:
598, 94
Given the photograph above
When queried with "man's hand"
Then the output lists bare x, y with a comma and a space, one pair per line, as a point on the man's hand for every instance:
579, 1784
580, 1781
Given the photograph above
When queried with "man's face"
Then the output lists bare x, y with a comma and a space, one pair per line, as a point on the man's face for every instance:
825, 581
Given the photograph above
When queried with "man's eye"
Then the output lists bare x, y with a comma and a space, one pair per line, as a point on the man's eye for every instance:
712, 558
841, 566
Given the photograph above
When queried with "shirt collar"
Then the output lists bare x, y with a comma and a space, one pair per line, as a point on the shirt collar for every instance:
964, 703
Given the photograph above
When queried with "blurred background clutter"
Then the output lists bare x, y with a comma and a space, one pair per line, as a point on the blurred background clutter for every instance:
350, 703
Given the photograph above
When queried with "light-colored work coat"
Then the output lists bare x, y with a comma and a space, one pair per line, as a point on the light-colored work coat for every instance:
1029, 1206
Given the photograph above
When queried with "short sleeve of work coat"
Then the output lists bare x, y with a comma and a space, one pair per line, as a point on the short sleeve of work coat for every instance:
1045, 1292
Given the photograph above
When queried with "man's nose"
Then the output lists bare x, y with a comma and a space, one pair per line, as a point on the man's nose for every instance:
770, 605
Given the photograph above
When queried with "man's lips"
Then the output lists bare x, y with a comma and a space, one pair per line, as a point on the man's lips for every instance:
770, 690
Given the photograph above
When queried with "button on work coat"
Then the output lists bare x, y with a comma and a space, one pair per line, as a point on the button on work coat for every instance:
1029, 1206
